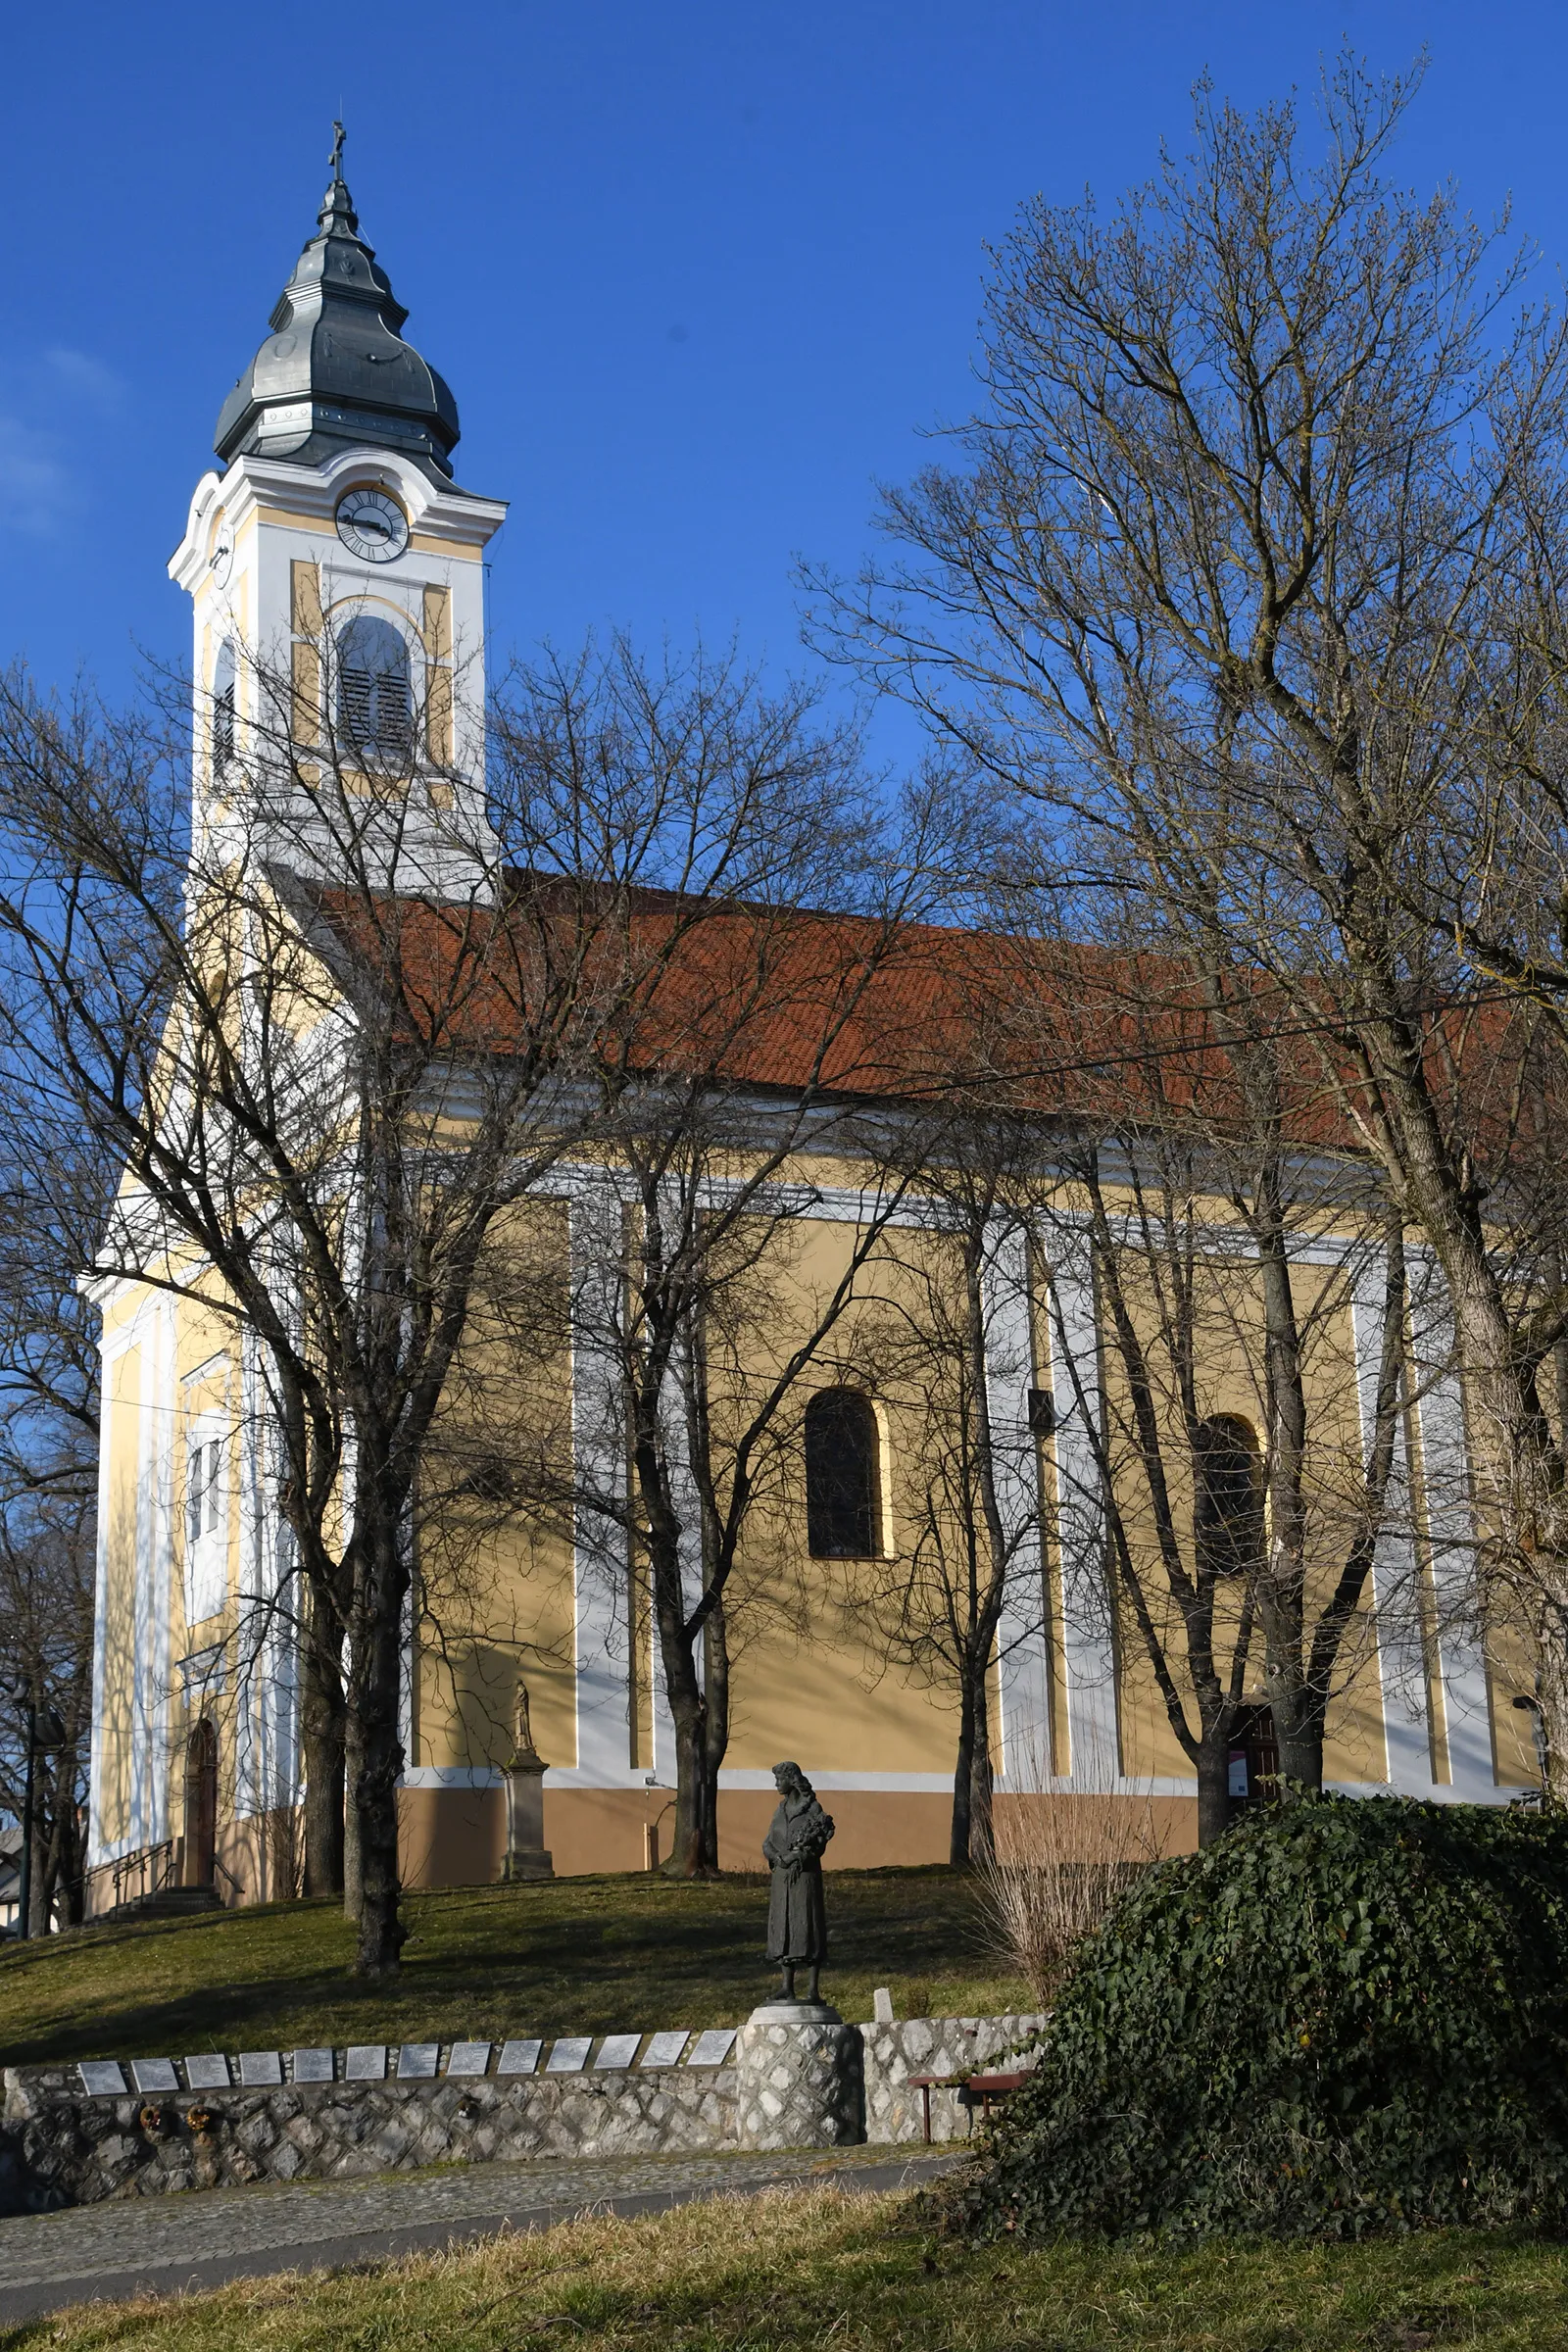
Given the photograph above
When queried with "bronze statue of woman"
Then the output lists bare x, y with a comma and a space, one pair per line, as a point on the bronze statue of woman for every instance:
797, 1919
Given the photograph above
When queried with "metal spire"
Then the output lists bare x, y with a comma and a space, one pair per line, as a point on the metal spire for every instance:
335, 372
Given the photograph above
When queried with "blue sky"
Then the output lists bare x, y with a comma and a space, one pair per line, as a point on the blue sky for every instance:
697, 274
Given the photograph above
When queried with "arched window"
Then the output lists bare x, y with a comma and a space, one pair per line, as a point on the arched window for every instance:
1228, 1504
841, 1475
375, 706
222, 708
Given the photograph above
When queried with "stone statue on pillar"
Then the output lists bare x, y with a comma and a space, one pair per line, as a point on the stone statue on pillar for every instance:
526, 1854
799, 2081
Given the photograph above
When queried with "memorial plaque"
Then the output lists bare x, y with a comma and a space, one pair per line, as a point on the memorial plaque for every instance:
154, 2073
714, 2046
261, 2067
313, 2066
207, 2071
520, 2057
665, 2049
366, 2063
469, 2057
101, 2078
571, 2055
618, 2049
417, 2061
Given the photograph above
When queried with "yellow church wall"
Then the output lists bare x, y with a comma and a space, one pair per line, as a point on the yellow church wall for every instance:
1230, 1352
517, 1624
808, 1675
496, 1597
810, 1679
1511, 1674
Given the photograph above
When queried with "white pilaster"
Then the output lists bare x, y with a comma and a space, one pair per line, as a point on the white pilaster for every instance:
1395, 1565
1450, 1530
1022, 1634
149, 1734
677, 1456
598, 1461
1089, 1658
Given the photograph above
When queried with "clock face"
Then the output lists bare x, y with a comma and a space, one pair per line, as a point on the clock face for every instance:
372, 527
222, 561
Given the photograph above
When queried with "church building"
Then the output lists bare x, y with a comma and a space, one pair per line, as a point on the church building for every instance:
333, 518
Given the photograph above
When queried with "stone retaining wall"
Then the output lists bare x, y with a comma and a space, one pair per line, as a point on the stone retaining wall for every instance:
73, 2135
935, 2046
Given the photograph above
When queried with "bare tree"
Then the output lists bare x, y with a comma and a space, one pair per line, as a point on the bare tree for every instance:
327, 1017
49, 1392
951, 1351
1179, 1479
717, 1097
1251, 579
1186, 1184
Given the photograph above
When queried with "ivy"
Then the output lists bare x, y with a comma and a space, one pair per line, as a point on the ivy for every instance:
1347, 2015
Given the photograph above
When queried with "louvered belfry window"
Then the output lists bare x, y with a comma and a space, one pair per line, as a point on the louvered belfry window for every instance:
374, 704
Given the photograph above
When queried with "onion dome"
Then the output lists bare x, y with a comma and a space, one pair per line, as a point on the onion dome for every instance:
335, 374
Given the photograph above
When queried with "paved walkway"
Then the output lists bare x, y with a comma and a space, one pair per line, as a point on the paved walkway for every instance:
164, 2244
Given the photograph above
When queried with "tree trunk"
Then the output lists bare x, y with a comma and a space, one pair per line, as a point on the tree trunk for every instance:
696, 1771
377, 1694
56, 1852
1519, 1465
958, 1840
715, 1725
1298, 1737
1213, 1787
321, 1737
73, 1876
970, 1839
353, 1874
691, 1794
1282, 1585
40, 1892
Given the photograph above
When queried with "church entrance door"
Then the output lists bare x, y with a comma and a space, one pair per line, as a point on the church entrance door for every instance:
1255, 1759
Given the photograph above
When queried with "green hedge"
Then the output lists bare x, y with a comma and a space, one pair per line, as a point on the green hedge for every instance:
1346, 2015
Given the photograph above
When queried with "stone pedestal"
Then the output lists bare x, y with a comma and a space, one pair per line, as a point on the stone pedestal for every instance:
526, 1854
527, 1857
797, 2078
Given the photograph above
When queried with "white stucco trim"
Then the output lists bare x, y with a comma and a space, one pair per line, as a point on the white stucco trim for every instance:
1466, 1687
1023, 1638
602, 1680
1396, 1563
1088, 1655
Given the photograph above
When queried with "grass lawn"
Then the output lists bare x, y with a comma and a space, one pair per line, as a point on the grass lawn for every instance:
575, 1956
796, 2272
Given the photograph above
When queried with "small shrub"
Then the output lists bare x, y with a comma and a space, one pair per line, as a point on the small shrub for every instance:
1058, 1868
1346, 2015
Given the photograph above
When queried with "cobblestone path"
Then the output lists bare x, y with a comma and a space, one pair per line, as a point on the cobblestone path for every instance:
164, 2244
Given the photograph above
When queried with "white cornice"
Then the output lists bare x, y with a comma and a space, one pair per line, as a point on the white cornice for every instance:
312, 492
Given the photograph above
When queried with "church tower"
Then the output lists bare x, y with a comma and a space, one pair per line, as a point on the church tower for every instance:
336, 574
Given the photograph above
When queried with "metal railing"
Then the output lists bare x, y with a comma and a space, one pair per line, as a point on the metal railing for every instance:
151, 1866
